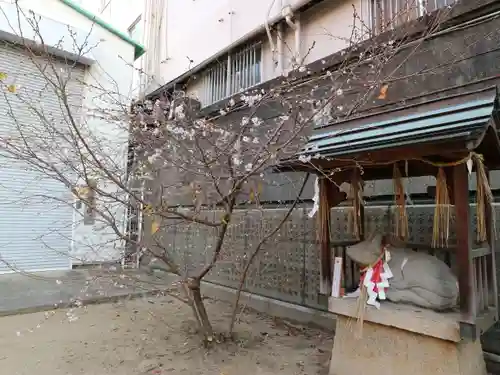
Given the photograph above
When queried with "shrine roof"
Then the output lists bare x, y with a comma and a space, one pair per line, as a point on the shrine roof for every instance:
461, 117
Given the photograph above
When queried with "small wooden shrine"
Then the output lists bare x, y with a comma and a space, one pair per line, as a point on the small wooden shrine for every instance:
453, 139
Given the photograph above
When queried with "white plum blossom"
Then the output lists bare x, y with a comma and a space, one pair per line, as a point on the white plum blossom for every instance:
323, 116
256, 121
179, 112
155, 156
248, 167
304, 158
251, 99
246, 139
339, 92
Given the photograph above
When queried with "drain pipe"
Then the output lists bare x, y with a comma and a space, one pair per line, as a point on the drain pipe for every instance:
294, 22
280, 43
268, 30
298, 41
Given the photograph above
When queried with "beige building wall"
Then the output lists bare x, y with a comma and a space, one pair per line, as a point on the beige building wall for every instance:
189, 34
324, 29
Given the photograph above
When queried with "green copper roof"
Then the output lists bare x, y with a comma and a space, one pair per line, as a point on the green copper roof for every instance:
139, 49
464, 116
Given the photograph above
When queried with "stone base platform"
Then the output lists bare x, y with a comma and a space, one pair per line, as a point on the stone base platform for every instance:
401, 340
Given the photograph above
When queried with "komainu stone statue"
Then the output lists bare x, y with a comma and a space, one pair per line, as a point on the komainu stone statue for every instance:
418, 278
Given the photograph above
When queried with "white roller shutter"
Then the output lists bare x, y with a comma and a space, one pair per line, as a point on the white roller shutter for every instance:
35, 228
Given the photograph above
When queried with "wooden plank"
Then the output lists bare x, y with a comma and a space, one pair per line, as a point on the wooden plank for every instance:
485, 282
442, 325
449, 183
325, 285
478, 277
481, 251
371, 160
464, 243
492, 271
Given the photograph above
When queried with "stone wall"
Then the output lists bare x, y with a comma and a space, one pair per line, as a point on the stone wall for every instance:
287, 267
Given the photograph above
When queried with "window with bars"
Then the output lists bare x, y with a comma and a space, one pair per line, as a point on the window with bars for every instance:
233, 73
388, 14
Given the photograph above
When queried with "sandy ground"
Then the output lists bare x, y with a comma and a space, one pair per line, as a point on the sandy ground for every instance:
155, 336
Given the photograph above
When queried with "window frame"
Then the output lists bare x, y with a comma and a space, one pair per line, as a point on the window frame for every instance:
228, 80
379, 26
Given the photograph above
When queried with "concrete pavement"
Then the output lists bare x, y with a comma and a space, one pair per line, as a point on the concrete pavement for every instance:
31, 292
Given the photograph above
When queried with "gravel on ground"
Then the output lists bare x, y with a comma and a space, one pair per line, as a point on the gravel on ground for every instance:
156, 335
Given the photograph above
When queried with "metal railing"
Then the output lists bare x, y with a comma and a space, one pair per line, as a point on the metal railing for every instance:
235, 72
390, 14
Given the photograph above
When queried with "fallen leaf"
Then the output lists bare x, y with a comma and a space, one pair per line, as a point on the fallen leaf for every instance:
148, 209
3, 76
383, 92
155, 226
11, 88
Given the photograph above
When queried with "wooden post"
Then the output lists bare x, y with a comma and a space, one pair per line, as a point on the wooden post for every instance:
464, 243
361, 222
362, 229
325, 285
491, 243
448, 171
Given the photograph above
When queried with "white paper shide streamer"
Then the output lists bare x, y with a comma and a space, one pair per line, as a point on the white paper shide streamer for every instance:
315, 199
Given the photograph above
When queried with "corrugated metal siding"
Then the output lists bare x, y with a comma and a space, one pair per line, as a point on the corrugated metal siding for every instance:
35, 231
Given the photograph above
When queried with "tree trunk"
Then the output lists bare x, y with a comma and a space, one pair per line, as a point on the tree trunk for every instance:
189, 300
200, 311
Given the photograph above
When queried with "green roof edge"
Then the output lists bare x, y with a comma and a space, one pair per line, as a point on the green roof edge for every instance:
139, 49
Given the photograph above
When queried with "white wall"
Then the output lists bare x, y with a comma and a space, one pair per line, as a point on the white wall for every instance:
108, 82
119, 13
324, 29
220, 23
193, 31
